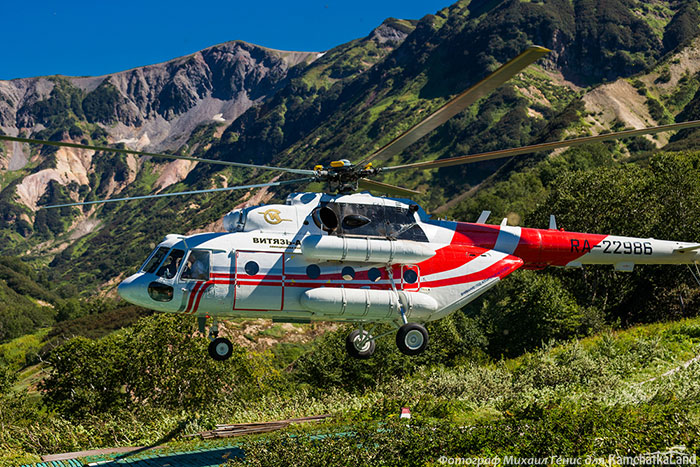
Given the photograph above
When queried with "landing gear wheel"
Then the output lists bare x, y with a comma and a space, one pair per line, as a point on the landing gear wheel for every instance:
412, 339
360, 345
220, 349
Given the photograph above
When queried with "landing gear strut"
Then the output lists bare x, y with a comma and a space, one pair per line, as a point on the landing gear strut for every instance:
220, 348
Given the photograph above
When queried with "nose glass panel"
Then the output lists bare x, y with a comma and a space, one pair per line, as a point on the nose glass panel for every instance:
160, 292
132, 290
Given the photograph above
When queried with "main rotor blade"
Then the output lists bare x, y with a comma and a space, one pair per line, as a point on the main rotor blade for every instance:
386, 188
163, 195
459, 103
152, 154
485, 156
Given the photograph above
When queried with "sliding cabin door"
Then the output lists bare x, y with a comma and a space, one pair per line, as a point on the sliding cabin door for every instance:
259, 281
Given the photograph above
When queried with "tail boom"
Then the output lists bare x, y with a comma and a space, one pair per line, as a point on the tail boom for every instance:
540, 248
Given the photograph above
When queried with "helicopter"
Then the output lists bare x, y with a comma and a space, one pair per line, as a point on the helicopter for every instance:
355, 257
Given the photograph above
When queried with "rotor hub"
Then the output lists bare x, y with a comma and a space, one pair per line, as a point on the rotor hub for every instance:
343, 177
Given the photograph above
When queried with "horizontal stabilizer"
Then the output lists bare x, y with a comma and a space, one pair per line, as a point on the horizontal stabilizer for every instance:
686, 249
483, 217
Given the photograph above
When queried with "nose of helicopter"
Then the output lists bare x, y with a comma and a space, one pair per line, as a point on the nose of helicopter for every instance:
133, 290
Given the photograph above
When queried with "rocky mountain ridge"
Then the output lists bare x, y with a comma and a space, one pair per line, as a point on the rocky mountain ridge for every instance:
160, 104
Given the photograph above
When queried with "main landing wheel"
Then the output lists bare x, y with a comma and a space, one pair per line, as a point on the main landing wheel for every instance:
360, 344
412, 339
220, 349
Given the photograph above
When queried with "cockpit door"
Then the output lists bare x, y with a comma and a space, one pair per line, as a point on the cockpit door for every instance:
259, 281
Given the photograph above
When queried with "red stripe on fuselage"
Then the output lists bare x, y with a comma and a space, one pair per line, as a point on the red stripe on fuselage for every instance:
537, 247
559, 248
193, 293
199, 295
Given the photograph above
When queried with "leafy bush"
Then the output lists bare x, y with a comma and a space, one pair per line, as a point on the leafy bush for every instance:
157, 363
452, 340
526, 310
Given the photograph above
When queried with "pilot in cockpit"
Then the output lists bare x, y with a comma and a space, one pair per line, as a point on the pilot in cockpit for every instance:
197, 267
169, 268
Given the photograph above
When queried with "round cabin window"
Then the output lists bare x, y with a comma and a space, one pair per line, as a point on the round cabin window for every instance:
374, 274
251, 268
348, 273
410, 276
313, 271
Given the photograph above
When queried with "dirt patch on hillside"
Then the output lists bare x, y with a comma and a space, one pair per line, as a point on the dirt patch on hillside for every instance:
262, 334
72, 165
84, 227
174, 172
619, 102
685, 61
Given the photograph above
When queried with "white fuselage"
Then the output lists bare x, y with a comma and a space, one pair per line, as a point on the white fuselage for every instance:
379, 258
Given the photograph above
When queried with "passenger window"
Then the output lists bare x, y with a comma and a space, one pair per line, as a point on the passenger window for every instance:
348, 273
410, 276
197, 267
251, 268
313, 271
152, 264
171, 264
374, 274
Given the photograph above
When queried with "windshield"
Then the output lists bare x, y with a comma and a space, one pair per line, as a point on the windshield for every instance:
171, 264
154, 261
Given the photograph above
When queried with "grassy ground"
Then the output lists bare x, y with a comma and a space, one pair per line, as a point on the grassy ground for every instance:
640, 375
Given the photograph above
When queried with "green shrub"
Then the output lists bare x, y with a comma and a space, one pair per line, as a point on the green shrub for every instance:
157, 363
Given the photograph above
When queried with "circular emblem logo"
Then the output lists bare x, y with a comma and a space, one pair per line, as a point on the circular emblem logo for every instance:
272, 216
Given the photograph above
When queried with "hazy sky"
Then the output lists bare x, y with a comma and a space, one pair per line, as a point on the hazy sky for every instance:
77, 38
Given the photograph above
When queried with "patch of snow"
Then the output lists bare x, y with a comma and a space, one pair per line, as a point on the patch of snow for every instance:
128, 141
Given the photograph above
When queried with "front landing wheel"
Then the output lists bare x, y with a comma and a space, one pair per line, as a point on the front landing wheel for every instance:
220, 349
412, 339
360, 344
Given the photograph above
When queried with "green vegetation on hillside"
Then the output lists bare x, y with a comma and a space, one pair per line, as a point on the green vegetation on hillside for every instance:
513, 373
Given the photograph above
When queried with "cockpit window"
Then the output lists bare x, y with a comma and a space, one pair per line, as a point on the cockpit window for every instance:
197, 267
171, 264
152, 264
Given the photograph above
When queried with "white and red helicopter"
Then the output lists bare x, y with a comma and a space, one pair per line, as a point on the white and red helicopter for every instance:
355, 257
